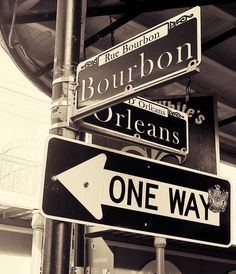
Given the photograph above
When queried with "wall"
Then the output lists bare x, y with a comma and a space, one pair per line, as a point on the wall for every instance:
15, 252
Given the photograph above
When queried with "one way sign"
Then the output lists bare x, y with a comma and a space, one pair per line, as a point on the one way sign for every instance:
92, 185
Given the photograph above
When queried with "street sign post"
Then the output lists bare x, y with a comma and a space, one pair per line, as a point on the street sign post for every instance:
142, 121
92, 185
154, 57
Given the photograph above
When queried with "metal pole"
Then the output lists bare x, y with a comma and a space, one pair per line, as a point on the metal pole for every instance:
79, 249
37, 242
56, 248
68, 51
160, 244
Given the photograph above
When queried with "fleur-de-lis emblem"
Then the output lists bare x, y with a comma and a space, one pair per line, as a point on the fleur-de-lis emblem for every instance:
217, 199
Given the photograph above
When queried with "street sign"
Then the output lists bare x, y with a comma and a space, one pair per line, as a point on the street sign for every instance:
92, 185
144, 122
154, 57
203, 130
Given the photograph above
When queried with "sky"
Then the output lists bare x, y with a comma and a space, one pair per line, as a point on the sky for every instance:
24, 109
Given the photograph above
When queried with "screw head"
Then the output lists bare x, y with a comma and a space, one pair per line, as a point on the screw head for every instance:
86, 184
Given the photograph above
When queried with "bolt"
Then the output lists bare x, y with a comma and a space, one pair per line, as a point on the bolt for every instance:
54, 178
86, 184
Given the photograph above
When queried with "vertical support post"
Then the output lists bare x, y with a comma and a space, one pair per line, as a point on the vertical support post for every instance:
37, 242
79, 249
56, 248
160, 244
69, 38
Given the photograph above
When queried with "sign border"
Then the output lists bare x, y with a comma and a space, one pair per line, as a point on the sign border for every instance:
129, 91
140, 141
51, 136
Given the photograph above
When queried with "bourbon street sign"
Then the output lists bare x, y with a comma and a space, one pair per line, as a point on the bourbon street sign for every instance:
144, 122
155, 56
92, 185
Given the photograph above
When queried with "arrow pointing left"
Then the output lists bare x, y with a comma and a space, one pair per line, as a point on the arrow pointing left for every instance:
130, 193
93, 186
84, 181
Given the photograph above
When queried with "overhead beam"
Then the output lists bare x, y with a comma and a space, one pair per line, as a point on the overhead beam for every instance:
16, 228
26, 18
148, 6
228, 9
219, 39
110, 28
91, 40
141, 6
227, 121
15, 213
26, 5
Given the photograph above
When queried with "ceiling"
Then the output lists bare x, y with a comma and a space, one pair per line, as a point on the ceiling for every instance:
27, 29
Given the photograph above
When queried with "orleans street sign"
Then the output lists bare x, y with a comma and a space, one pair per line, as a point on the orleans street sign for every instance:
142, 121
92, 185
155, 56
